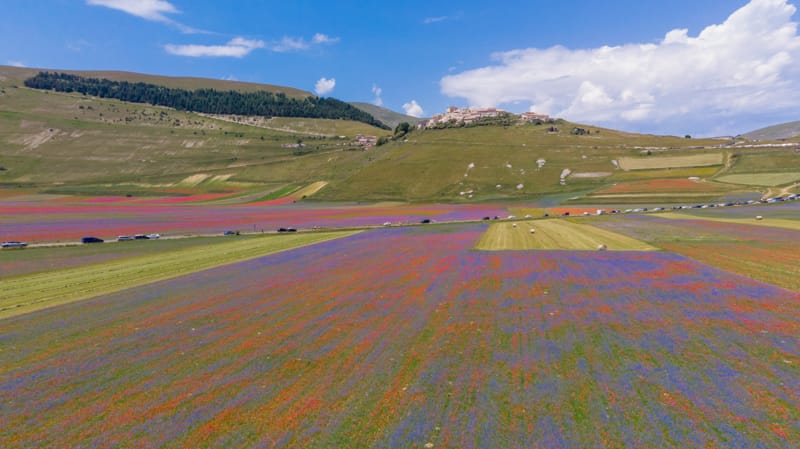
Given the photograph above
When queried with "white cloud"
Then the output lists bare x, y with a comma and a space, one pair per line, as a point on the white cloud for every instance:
146, 9
324, 86
430, 20
17, 64
287, 44
413, 109
734, 72
320, 38
378, 101
155, 10
290, 44
236, 48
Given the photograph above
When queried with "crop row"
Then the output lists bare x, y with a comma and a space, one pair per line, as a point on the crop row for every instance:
405, 337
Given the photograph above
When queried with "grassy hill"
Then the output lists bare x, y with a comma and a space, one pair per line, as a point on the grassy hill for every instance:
386, 116
60, 142
776, 132
19, 74
70, 143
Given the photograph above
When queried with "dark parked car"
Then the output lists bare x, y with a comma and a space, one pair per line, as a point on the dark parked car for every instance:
426, 221
141, 237
14, 245
230, 233
91, 240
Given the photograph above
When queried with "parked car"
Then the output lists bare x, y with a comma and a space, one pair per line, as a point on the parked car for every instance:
229, 232
124, 238
154, 236
92, 240
425, 221
14, 244
141, 237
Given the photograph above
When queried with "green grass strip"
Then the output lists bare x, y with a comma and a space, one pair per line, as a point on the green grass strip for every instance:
26, 294
765, 221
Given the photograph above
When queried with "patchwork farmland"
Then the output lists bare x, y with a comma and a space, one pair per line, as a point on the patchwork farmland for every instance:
408, 337
308, 291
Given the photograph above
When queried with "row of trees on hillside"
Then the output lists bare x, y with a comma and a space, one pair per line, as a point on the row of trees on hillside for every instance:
209, 101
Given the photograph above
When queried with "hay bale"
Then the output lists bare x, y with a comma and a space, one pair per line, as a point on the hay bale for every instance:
602, 247
759, 217
533, 231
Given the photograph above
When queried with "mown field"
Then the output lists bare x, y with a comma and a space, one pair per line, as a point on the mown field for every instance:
555, 234
408, 338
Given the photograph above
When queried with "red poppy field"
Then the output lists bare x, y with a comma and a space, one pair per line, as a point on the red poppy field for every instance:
406, 337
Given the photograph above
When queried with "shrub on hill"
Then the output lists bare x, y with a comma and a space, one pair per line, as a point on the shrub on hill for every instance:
208, 101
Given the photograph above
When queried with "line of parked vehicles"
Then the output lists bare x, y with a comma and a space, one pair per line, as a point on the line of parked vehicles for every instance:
123, 238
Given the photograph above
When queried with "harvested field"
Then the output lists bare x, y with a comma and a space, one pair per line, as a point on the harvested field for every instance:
762, 179
658, 162
555, 234
768, 222
663, 187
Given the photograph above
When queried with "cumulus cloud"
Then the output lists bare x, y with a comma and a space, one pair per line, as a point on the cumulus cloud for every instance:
146, 9
324, 86
237, 47
729, 72
378, 101
413, 109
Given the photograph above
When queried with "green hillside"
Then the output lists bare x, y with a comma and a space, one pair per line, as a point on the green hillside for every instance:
386, 116
70, 143
19, 74
60, 142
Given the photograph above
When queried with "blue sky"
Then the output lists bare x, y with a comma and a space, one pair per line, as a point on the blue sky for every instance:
624, 64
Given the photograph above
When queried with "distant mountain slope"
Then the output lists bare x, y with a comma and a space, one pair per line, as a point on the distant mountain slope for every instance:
384, 115
775, 132
190, 83
209, 101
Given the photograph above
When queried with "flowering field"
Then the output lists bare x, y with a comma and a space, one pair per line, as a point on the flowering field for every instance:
49, 221
407, 338
754, 249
